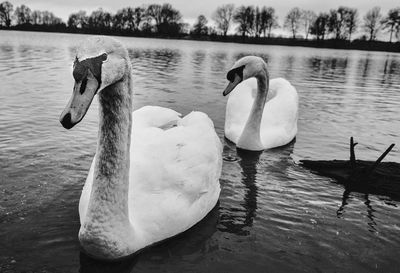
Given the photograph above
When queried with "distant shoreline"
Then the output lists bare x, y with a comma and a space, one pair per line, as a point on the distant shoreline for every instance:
329, 43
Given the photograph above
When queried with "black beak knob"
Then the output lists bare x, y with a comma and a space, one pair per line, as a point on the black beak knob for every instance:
66, 121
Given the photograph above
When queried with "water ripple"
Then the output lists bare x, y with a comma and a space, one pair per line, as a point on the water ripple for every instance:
272, 215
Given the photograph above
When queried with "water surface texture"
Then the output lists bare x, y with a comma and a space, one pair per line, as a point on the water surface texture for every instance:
273, 215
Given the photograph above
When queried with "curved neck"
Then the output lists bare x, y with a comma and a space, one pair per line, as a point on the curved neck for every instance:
250, 138
111, 173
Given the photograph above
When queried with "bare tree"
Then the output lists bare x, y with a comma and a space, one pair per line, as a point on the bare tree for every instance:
100, 20
308, 17
257, 22
23, 15
139, 16
78, 20
336, 23
292, 21
351, 21
244, 17
124, 19
267, 20
167, 19
6, 9
392, 22
223, 17
48, 18
262, 18
37, 17
372, 22
343, 22
200, 27
154, 12
320, 26
271, 20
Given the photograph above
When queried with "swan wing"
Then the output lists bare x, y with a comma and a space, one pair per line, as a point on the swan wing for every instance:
174, 175
279, 120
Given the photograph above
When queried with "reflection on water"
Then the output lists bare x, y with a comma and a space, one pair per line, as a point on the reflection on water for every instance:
368, 207
248, 163
89, 265
239, 220
272, 215
158, 66
230, 221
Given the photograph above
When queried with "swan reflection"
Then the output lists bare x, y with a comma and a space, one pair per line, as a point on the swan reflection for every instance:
254, 168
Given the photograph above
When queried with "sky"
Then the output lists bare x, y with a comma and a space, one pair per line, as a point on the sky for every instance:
191, 9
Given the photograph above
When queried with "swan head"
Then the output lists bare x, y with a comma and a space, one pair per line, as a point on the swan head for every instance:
243, 69
99, 62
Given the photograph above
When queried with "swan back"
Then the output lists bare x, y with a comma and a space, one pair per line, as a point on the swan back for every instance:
98, 45
174, 175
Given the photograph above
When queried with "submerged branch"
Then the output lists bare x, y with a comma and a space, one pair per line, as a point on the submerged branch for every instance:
379, 160
352, 154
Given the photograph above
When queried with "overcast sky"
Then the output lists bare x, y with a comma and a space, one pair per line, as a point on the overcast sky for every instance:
191, 9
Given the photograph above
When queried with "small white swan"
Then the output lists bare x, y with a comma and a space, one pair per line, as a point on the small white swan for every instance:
260, 114
154, 174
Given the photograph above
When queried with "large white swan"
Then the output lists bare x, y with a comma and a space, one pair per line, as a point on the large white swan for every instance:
154, 174
260, 114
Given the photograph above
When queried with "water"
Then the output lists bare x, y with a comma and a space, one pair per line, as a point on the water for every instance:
273, 215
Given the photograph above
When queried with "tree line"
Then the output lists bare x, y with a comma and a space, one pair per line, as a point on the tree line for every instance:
23, 15
343, 22
244, 21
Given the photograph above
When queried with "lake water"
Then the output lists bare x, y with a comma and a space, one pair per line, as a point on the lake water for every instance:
273, 215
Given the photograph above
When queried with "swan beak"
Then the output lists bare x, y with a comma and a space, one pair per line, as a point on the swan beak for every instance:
82, 96
232, 85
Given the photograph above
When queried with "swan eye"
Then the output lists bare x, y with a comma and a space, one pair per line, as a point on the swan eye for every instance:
83, 86
231, 74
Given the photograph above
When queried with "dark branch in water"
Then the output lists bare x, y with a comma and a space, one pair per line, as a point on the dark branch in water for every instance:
374, 177
352, 154
379, 160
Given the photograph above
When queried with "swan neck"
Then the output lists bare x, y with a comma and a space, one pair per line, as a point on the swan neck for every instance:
111, 175
250, 138
107, 230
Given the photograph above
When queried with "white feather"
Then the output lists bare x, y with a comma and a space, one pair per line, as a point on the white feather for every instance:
174, 173
279, 120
